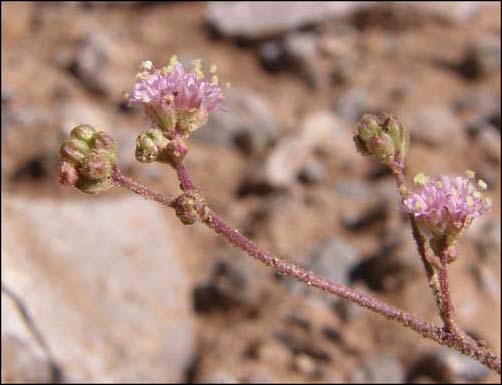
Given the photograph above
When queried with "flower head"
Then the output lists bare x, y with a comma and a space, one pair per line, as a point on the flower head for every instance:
444, 206
177, 101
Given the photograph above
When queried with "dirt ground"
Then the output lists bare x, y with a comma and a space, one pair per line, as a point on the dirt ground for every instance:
68, 63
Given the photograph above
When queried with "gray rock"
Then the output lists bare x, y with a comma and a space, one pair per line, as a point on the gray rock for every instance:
366, 191
389, 269
487, 281
345, 69
7, 95
312, 173
285, 161
20, 364
347, 311
347, 189
351, 105
479, 103
449, 366
247, 123
320, 130
315, 57
364, 216
495, 118
233, 282
334, 259
485, 235
481, 58
272, 55
23, 358
110, 274
479, 110
383, 369
434, 125
452, 12
489, 239
389, 15
87, 65
301, 55
399, 15
489, 141
258, 20
340, 40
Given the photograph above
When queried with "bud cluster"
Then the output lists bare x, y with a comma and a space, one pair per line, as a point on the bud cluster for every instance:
87, 160
154, 146
190, 207
383, 138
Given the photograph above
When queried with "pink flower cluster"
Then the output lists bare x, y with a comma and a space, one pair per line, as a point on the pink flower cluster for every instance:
172, 96
446, 206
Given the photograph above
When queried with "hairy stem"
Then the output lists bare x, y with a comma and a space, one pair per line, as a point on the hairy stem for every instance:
409, 320
185, 181
425, 257
121, 180
427, 330
446, 305
420, 241
446, 309
438, 282
424, 328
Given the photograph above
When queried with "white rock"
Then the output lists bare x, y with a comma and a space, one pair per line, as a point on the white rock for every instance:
23, 359
255, 20
248, 122
103, 281
450, 11
321, 129
434, 125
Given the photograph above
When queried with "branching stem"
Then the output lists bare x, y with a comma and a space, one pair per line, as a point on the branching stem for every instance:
234, 237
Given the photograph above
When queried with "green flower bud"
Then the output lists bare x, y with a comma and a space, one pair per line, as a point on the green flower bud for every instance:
175, 152
399, 134
96, 166
73, 150
103, 141
83, 132
68, 174
368, 127
150, 144
91, 186
190, 207
87, 160
382, 138
381, 148
361, 146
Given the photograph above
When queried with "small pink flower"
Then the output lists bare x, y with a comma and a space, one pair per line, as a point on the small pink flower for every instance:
176, 101
446, 206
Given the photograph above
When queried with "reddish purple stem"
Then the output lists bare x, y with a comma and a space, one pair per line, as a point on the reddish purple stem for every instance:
121, 180
427, 330
424, 328
185, 181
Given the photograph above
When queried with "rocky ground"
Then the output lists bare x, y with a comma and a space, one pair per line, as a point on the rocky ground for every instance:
112, 288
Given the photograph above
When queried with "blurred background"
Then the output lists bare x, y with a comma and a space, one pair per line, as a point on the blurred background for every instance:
113, 288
